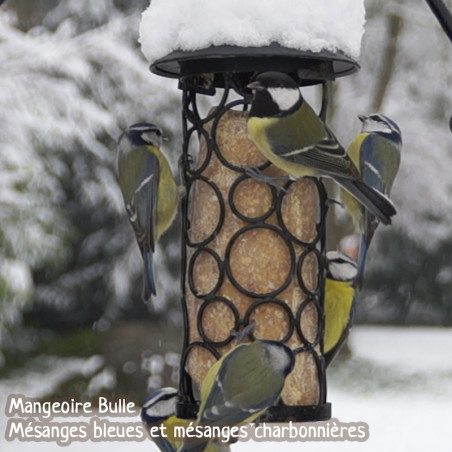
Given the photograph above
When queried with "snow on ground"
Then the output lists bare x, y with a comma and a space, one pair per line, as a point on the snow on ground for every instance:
169, 25
399, 382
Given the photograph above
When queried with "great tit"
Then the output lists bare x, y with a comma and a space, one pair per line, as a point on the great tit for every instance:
149, 190
376, 153
339, 302
287, 131
159, 410
242, 385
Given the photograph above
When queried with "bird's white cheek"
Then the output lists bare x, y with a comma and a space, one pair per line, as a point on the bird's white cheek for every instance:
286, 98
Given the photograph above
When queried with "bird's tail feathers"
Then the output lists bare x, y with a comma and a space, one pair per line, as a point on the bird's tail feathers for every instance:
373, 200
366, 239
148, 276
361, 261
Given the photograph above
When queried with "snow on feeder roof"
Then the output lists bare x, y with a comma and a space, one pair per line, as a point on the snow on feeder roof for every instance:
172, 31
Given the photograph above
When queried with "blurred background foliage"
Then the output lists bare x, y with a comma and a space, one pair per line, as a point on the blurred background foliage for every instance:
72, 79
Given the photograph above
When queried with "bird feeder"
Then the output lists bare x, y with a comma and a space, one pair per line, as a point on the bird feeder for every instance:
251, 252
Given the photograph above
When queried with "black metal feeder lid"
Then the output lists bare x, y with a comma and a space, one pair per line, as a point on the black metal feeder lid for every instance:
310, 68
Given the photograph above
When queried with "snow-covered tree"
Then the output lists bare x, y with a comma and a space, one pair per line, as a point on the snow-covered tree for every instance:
409, 271
68, 87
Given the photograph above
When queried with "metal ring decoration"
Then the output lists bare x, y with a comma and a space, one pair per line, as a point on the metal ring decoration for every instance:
308, 344
210, 237
187, 405
235, 84
216, 110
300, 263
233, 280
281, 304
191, 265
238, 214
193, 114
282, 223
201, 133
235, 313
318, 363
191, 83
239, 169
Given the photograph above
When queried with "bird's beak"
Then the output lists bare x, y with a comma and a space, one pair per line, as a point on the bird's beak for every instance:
362, 118
255, 86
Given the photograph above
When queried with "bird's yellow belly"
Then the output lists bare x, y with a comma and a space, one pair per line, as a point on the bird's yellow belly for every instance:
166, 210
338, 302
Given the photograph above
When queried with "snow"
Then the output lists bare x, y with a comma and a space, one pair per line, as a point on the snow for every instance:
432, 344
18, 274
169, 25
399, 382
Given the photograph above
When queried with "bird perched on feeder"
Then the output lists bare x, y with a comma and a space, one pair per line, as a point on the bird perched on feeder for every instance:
338, 303
287, 131
159, 410
159, 414
149, 190
376, 153
242, 385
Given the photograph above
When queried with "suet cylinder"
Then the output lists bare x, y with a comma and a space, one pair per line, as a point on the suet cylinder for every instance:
262, 262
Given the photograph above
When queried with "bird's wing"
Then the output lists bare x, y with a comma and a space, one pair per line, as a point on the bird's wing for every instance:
321, 157
234, 397
378, 204
143, 206
326, 156
371, 163
370, 226
380, 161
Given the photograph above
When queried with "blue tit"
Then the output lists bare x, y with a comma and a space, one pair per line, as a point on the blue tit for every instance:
287, 131
242, 385
339, 302
376, 153
159, 410
149, 190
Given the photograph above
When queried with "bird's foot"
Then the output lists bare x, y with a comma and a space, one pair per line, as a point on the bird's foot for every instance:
185, 160
246, 332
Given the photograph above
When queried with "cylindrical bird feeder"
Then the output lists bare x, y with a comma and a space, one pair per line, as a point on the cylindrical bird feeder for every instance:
251, 252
